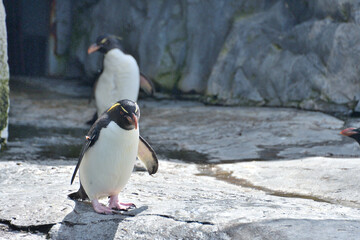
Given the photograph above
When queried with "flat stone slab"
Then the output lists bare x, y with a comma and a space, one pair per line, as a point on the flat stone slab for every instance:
321, 179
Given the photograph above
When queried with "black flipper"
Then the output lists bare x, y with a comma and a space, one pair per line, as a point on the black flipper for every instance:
148, 156
91, 138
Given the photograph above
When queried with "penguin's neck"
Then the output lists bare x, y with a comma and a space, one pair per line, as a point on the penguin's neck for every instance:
113, 58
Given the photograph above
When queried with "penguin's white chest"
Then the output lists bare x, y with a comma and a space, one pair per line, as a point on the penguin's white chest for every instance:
107, 165
119, 80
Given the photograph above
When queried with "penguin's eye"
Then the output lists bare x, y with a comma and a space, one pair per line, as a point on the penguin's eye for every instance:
121, 113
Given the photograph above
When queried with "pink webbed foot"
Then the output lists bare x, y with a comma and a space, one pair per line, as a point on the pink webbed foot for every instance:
115, 204
99, 208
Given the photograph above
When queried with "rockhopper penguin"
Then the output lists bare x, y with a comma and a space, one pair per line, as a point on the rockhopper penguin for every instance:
120, 77
108, 156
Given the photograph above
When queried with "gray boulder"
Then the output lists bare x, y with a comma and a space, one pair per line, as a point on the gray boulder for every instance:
280, 58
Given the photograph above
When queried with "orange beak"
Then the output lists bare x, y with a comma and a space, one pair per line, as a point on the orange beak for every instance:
93, 48
134, 117
348, 132
133, 120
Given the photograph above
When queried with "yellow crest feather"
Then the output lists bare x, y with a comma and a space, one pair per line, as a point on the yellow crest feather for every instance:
137, 108
113, 106
124, 109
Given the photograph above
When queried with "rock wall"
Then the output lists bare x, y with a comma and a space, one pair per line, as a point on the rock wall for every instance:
4, 80
244, 52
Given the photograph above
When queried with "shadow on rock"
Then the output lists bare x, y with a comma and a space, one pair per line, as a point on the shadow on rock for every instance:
84, 223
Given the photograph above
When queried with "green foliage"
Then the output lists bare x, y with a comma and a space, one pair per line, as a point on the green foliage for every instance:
4, 106
168, 80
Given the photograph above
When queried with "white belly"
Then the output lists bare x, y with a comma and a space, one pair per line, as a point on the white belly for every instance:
107, 165
119, 80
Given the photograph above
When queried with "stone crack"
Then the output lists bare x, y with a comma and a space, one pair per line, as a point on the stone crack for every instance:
42, 228
181, 220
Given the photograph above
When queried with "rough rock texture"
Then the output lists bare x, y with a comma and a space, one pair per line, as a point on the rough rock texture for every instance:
217, 177
179, 203
4, 80
293, 54
275, 53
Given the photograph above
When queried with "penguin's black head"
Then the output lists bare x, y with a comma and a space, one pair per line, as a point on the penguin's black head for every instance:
125, 113
105, 43
352, 132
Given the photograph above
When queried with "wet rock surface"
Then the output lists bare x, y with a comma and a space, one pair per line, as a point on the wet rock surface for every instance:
225, 173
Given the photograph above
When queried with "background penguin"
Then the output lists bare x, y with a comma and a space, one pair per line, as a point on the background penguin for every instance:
352, 132
120, 77
108, 156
